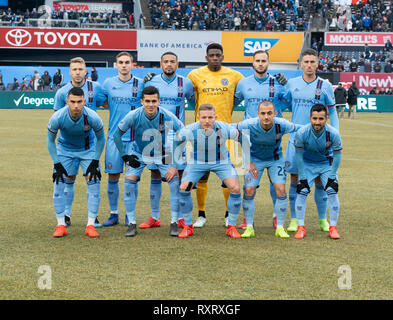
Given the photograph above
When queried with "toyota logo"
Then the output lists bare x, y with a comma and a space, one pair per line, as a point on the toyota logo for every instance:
18, 37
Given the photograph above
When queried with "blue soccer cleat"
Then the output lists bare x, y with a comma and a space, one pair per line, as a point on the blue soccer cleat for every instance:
112, 220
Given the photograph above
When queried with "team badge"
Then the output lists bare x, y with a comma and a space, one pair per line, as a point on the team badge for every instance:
287, 164
135, 90
224, 82
271, 89
318, 92
161, 127
86, 127
109, 165
180, 89
90, 94
328, 144
278, 136
204, 81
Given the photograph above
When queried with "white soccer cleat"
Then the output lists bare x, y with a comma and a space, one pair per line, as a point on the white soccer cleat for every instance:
200, 222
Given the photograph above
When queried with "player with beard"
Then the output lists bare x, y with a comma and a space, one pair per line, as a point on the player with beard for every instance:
174, 90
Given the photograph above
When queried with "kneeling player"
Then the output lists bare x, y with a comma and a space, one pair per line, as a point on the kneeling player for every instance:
318, 154
265, 134
209, 153
76, 146
149, 122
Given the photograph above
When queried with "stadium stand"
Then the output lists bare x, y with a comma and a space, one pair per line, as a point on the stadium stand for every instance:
271, 15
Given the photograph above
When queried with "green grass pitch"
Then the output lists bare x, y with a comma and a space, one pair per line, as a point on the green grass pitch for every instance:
208, 265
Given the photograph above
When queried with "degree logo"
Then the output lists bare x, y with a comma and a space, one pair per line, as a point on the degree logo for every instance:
250, 45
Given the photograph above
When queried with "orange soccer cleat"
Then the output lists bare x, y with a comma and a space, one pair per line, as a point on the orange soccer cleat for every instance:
60, 231
91, 232
232, 232
187, 231
181, 223
301, 232
333, 234
151, 223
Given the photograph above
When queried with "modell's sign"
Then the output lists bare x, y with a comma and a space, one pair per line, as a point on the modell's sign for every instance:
87, 6
357, 39
82, 39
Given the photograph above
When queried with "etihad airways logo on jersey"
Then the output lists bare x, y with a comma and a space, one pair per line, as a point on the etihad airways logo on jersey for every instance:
253, 44
215, 90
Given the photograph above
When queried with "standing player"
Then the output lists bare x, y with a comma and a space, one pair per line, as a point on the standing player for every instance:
94, 98
303, 92
76, 146
213, 84
259, 87
265, 132
208, 138
151, 125
318, 154
124, 94
174, 89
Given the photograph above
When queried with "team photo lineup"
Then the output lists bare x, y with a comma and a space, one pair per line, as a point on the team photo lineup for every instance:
147, 129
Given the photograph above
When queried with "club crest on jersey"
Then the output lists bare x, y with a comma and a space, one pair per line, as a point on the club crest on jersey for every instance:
318, 92
90, 94
328, 144
86, 127
135, 90
278, 136
180, 89
224, 82
109, 165
161, 127
271, 89
287, 164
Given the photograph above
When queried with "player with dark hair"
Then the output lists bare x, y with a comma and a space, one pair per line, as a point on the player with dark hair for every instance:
94, 98
76, 146
124, 94
174, 90
152, 125
318, 154
303, 92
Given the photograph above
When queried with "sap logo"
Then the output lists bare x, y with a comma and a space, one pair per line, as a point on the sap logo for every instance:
251, 45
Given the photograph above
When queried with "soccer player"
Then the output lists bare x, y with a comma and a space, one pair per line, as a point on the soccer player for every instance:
94, 98
209, 153
303, 92
76, 146
124, 94
318, 154
259, 87
214, 84
174, 90
151, 125
265, 133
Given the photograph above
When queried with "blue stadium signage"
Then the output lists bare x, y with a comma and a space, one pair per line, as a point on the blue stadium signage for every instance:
253, 44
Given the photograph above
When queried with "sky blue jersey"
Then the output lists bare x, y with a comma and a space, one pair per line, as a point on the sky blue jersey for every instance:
303, 95
254, 90
318, 148
122, 98
173, 92
94, 95
266, 145
150, 133
75, 134
209, 148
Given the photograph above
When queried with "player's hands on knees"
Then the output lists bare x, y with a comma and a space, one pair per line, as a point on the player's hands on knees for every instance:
302, 184
253, 169
58, 171
131, 160
94, 171
281, 78
172, 171
148, 77
332, 183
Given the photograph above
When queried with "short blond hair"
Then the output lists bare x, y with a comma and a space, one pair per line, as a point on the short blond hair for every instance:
78, 60
206, 107
124, 53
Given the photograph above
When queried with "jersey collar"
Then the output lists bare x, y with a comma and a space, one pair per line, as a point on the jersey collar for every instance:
259, 80
168, 80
